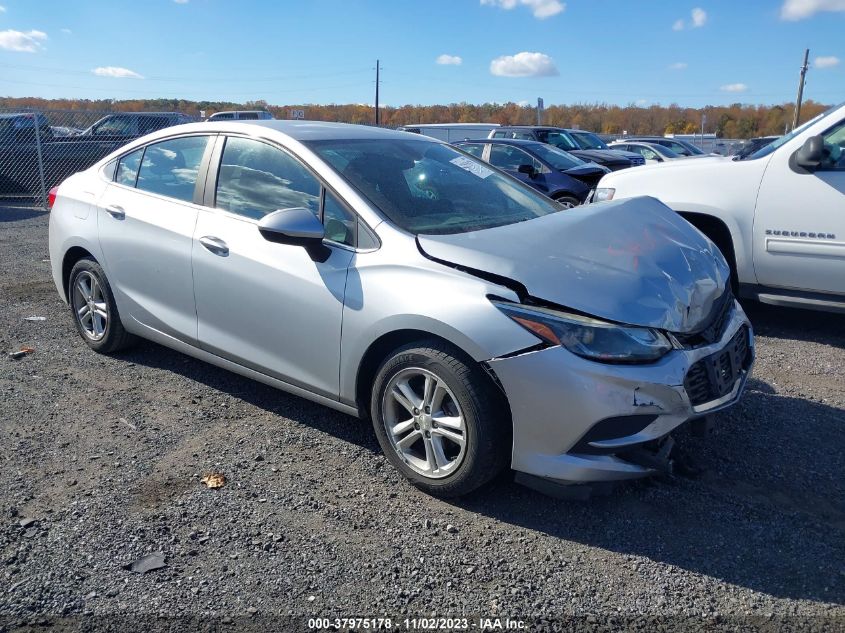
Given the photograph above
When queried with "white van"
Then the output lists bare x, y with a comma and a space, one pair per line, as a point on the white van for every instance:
241, 115
451, 132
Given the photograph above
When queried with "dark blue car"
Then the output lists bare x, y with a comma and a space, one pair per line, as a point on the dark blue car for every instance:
554, 172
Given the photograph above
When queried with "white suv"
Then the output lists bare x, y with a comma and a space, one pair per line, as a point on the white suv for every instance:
777, 215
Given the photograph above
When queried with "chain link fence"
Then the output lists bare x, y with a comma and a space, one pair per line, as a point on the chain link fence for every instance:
40, 148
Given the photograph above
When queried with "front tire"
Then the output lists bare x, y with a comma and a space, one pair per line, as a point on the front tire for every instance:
439, 419
94, 310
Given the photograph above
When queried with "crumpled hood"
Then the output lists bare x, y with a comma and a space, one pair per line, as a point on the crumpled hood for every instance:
632, 261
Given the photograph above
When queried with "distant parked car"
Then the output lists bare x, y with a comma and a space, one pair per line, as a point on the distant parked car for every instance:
241, 115
64, 130
65, 155
753, 144
559, 175
18, 151
684, 148
563, 139
651, 152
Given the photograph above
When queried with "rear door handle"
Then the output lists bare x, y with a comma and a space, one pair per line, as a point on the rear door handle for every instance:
116, 212
215, 245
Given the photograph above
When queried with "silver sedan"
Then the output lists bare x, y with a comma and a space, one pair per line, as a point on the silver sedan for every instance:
394, 277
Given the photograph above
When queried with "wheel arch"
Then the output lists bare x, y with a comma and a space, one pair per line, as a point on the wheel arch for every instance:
71, 256
380, 349
719, 233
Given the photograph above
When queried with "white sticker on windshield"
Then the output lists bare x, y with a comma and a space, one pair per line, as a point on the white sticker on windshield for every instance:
471, 166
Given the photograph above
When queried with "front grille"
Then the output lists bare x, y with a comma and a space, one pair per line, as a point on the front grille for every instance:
718, 321
715, 376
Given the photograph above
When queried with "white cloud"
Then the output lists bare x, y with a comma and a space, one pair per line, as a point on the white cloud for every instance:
642, 102
449, 60
524, 65
678, 66
734, 88
541, 9
181, 1
22, 42
116, 71
699, 19
67, 31
801, 9
2, 9
523, 104
826, 62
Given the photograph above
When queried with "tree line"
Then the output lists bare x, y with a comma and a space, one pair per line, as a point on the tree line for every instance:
732, 121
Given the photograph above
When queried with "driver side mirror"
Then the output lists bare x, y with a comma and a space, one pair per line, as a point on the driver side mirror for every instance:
298, 226
528, 170
811, 154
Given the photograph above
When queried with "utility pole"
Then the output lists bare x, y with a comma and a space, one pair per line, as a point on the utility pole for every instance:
804, 67
539, 110
377, 69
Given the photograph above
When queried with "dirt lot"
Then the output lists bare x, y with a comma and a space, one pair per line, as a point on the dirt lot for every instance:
106, 455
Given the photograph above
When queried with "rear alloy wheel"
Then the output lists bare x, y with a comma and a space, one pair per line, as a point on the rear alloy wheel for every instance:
93, 308
439, 419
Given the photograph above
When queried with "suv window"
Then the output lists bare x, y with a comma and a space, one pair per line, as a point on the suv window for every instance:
248, 116
127, 168
115, 126
525, 136
256, 179
147, 124
170, 168
500, 135
834, 145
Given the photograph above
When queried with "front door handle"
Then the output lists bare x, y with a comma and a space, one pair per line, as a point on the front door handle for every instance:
116, 212
215, 245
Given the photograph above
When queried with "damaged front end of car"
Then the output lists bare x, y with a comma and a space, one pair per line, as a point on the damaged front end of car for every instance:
638, 333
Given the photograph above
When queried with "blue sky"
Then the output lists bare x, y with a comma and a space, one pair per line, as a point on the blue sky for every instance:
324, 51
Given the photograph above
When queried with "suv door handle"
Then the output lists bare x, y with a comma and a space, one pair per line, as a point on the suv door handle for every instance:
116, 212
215, 245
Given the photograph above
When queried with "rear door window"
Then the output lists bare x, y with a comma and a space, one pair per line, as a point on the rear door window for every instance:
170, 168
127, 168
475, 150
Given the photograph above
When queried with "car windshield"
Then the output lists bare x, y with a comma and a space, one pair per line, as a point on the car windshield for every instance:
428, 187
771, 147
556, 157
688, 149
588, 140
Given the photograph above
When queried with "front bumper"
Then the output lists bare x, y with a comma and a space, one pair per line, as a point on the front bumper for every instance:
566, 409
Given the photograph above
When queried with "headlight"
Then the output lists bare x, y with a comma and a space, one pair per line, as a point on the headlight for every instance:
603, 194
589, 338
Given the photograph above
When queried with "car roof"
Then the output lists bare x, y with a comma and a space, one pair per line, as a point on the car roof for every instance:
304, 130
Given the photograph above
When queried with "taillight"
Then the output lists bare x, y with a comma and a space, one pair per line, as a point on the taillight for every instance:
51, 197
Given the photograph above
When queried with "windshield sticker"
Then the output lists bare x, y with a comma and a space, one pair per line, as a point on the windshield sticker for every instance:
471, 166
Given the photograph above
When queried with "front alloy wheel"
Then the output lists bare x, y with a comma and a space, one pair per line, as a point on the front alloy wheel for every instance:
424, 422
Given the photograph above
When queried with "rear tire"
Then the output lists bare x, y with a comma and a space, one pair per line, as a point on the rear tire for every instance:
94, 310
439, 419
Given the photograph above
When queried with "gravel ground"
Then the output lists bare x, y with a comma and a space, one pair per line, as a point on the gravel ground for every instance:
101, 459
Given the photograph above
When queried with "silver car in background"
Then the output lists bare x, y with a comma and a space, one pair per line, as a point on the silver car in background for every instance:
393, 277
